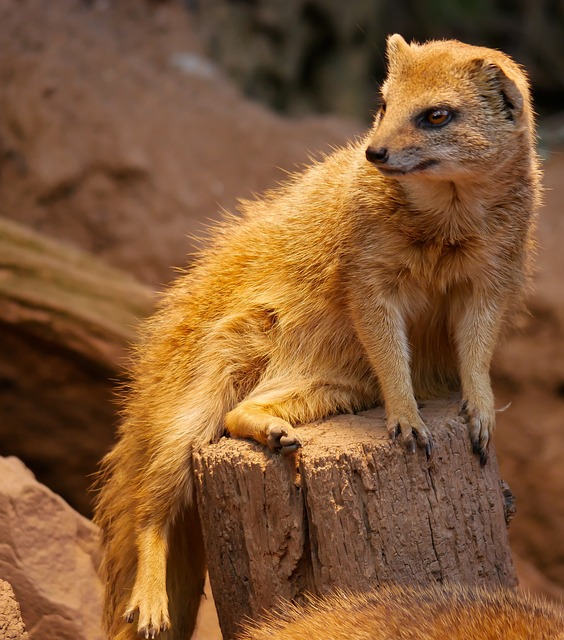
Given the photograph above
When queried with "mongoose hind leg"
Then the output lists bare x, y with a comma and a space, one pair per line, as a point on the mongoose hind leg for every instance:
149, 596
257, 421
166, 487
268, 414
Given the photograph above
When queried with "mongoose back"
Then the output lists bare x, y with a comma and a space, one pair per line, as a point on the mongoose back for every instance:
410, 613
382, 274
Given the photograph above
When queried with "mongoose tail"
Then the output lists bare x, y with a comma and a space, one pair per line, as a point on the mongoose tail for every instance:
137, 556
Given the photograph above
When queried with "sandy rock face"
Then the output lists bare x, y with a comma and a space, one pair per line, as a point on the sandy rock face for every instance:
529, 374
66, 320
48, 555
11, 623
117, 135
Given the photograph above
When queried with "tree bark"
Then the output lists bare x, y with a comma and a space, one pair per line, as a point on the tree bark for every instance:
350, 510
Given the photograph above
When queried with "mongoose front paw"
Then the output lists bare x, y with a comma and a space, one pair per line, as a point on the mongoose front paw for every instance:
481, 424
411, 433
151, 622
283, 439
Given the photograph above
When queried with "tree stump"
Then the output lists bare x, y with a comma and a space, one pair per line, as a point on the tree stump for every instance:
349, 510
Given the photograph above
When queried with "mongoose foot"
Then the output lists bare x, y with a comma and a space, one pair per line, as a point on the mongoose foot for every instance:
411, 436
283, 439
150, 623
480, 428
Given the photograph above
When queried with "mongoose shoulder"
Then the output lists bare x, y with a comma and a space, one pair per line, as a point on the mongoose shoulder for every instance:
382, 274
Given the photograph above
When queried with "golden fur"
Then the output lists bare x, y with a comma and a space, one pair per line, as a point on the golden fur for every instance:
351, 285
410, 613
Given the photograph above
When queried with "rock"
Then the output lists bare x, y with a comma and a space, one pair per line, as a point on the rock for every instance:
117, 135
66, 319
11, 623
535, 582
48, 554
529, 374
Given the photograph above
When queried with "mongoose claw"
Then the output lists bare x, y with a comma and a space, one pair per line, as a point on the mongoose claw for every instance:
395, 433
429, 449
148, 627
480, 427
411, 437
404, 435
151, 632
480, 451
282, 439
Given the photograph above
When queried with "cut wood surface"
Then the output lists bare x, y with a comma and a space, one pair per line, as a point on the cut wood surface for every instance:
350, 510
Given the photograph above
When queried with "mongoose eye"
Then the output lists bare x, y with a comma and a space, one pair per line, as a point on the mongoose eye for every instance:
436, 117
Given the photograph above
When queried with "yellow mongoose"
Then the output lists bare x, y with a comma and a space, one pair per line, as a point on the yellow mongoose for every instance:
382, 274
430, 613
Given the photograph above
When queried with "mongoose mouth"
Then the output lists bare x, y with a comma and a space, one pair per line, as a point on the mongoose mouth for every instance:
400, 171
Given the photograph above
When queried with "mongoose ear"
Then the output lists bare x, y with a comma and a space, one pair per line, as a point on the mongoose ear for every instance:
513, 100
396, 49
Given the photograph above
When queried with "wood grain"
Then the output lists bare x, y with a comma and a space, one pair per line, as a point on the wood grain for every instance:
350, 510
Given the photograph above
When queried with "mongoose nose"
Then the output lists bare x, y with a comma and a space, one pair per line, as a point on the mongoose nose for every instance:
377, 156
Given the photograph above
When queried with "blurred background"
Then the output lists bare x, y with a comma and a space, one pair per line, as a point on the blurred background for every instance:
127, 125
325, 56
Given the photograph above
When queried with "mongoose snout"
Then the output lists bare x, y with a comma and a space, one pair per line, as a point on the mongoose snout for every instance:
378, 155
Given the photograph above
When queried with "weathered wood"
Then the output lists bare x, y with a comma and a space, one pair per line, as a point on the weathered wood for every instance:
351, 510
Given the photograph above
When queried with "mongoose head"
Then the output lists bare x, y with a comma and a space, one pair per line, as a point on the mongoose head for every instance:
449, 111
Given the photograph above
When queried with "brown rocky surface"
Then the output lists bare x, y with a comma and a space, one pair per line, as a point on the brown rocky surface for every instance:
529, 373
48, 559
48, 554
534, 581
118, 136
65, 320
11, 623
